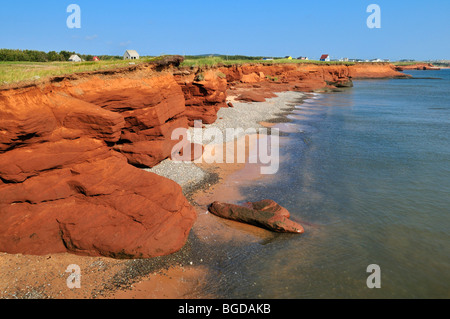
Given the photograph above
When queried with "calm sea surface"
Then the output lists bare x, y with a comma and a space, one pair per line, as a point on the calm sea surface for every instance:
368, 174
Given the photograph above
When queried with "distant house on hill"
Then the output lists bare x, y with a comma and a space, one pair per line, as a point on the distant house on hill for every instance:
288, 57
325, 57
131, 55
302, 58
95, 59
74, 58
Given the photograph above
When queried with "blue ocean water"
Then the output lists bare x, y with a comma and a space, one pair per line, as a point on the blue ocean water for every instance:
368, 175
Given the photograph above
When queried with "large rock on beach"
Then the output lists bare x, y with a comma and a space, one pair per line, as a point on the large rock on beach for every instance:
266, 214
97, 207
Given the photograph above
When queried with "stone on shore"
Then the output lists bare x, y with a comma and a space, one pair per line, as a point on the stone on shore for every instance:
266, 214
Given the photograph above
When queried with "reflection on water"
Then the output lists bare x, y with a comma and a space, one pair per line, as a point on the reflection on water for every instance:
367, 172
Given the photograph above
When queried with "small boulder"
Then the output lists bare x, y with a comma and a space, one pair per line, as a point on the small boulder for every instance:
251, 96
266, 214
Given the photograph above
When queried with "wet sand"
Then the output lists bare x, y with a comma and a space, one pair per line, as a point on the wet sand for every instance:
174, 283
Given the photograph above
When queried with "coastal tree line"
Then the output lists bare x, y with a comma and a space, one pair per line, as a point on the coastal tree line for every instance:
41, 56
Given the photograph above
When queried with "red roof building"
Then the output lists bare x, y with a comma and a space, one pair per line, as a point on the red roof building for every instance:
325, 57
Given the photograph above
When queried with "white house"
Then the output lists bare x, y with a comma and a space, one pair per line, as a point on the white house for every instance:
131, 55
325, 57
74, 58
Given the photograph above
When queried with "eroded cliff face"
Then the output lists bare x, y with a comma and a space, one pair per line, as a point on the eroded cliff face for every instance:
205, 92
417, 66
66, 179
71, 148
304, 77
375, 71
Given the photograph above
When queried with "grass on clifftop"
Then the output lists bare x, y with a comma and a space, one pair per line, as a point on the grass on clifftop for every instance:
407, 63
212, 61
13, 72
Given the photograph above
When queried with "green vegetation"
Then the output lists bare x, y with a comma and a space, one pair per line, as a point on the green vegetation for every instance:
403, 63
221, 75
25, 65
271, 78
443, 63
438, 63
200, 77
202, 61
12, 72
40, 56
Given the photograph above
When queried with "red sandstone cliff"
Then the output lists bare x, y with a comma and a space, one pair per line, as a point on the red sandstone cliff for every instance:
375, 71
204, 93
417, 66
66, 180
70, 148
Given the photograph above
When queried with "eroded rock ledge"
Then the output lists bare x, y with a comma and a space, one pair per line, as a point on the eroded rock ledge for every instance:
71, 148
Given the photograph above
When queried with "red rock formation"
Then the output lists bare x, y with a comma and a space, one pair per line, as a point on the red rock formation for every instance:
205, 90
91, 203
266, 214
375, 71
151, 108
204, 93
256, 82
269, 206
64, 185
66, 145
254, 96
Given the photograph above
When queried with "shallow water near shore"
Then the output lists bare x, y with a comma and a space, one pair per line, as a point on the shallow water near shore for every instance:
367, 172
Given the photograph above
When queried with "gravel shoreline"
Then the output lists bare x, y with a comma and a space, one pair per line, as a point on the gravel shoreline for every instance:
243, 115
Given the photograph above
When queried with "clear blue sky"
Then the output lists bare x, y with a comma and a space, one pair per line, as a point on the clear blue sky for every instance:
413, 29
